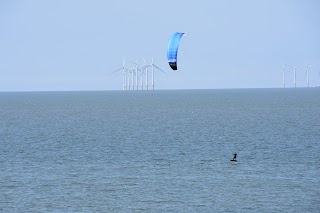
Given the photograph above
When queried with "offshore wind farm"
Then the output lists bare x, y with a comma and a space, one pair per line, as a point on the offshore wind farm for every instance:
137, 77
290, 70
133, 78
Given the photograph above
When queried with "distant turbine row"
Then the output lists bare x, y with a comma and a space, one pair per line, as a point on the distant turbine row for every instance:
131, 77
295, 74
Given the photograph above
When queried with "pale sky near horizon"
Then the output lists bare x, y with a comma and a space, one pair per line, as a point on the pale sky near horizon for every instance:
74, 44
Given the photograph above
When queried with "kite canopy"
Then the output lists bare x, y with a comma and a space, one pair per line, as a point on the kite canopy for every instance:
173, 50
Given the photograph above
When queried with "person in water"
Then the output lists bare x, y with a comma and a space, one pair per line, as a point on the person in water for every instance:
234, 156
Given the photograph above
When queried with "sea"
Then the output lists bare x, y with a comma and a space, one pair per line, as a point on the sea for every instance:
160, 151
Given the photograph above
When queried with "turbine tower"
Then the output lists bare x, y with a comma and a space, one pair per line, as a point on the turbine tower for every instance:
283, 77
136, 70
137, 83
141, 79
124, 74
154, 66
146, 67
123, 80
143, 68
131, 78
295, 76
152, 76
307, 72
132, 71
129, 81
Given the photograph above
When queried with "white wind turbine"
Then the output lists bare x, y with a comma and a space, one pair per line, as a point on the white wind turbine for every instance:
141, 78
145, 67
136, 73
134, 76
283, 77
294, 74
153, 66
284, 74
132, 72
128, 79
124, 74
138, 76
307, 72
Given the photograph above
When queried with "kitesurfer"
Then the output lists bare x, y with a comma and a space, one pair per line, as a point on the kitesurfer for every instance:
234, 156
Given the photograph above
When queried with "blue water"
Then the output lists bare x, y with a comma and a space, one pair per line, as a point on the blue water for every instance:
166, 151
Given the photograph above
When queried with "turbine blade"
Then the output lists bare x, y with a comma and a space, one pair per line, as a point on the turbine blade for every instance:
145, 66
145, 62
159, 69
141, 74
305, 73
115, 71
133, 62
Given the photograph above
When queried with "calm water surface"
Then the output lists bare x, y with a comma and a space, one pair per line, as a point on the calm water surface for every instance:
167, 151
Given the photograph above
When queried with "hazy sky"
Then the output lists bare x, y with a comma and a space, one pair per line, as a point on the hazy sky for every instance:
73, 44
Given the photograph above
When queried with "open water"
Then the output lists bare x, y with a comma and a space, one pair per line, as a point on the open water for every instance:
166, 151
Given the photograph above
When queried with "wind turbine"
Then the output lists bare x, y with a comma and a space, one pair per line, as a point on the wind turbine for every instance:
137, 83
136, 70
142, 68
141, 78
131, 71
307, 72
147, 76
284, 74
124, 74
283, 77
294, 74
153, 66
141, 74
134, 74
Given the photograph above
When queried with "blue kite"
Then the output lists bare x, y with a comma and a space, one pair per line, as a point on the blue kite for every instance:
173, 49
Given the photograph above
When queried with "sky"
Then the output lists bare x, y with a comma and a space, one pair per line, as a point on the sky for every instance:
58, 45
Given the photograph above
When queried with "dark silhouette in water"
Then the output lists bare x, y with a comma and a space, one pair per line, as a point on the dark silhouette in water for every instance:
234, 157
